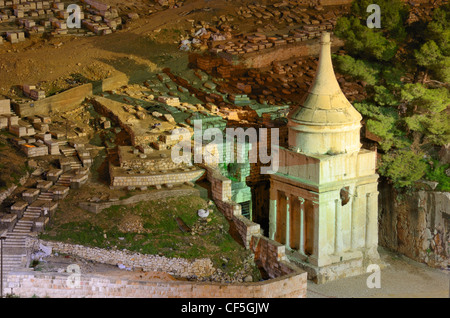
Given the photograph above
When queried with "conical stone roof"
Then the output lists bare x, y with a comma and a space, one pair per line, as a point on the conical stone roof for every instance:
325, 103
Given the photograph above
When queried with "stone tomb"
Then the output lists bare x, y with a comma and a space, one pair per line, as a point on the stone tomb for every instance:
324, 198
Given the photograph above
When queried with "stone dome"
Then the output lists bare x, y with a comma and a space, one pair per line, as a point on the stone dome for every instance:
326, 122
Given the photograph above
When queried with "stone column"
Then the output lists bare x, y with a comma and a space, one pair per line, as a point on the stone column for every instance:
338, 227
317, 235
272, 219
355, 208
371, 220
302, 225
288, 232
272, 212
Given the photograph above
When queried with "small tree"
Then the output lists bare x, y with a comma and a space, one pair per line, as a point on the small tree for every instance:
403, 167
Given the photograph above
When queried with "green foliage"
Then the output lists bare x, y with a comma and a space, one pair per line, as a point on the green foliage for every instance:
383, 122
436, 127
442, 71
384, 97
392, 76
431, 57
399, 112
438, 29
393, 14
403, 167
358, 69
83, 233
436, 172
425, 100
434, 54
364, 41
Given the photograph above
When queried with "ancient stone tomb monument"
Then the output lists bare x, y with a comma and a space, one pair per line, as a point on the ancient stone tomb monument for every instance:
324, 197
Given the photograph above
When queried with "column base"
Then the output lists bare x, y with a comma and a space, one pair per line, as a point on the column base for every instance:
334, 271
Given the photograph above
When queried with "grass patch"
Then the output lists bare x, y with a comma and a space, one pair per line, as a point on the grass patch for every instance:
158, 232
127, 196
13, 163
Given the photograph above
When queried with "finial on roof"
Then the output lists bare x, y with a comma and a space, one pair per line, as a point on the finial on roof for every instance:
325, 82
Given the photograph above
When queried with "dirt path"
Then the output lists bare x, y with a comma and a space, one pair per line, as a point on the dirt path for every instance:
402, 278
131, 50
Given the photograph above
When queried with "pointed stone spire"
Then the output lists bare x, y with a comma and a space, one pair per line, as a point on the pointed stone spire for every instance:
325, 102
325, 110
325, 82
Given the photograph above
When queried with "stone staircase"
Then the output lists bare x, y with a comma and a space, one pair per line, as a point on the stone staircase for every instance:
46, 196
35, 216
68, 151
12, 262
14, 246
64, 180
70, 163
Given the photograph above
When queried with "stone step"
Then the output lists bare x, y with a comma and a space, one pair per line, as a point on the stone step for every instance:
34, 208
26, 219
32, 214
23, 230
11, 258
12, 235
23, 225
15, 239
14, 248
32, 211
21, 243
46, 194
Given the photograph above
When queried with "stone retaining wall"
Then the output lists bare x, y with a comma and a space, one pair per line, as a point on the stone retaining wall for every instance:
221, 194
145, 180
101, 106
178, 267
54, 285
61, 102
151, 196
416, 225
284, 53
269, 254
116, 81
272, 256
69, 99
